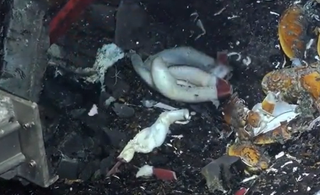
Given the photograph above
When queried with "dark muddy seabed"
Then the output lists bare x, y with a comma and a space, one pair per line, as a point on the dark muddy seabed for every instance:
83, 147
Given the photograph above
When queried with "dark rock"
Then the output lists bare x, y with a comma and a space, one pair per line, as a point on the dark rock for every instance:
71, 144
217, 173
61, 97
112, 136
105, 164
76, 113
68, 168
130, 29
89, 170
115, 83
102, 16
123, 110
158, 160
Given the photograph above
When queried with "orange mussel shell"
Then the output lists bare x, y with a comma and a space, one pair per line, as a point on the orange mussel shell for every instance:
292, 32
250, 154
311, 83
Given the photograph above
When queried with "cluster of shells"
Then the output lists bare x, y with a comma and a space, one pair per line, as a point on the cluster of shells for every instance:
292, 99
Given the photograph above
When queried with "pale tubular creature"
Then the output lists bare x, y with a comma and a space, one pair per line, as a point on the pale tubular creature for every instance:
168, 87
184, 74
273, 111
151, 137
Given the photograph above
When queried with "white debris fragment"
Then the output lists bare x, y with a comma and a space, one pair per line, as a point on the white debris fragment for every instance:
233, 17
145, 171
93, 111
308, 189
273, 193
235, 54
152, 103
296, 2
287, 163
294, 169
164, 106
152, 137
199, 24
220, 11
246, 61
177, 136
108, 55
293, 158
299, 178
271, 169
306, 174
249, 178
281, 154
274, 13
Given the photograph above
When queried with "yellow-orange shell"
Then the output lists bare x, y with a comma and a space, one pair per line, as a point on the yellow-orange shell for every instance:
292, 32
311, 83
268, 106
253, 119
249, 154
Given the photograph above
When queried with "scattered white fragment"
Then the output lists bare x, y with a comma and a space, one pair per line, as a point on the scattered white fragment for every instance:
299, 178
164, 106
296, 2
277, 46
316, 57
293, 158
308, 189
274, 13
152, 103
115, 176
108, 55
294, 169
249, 178
235, 54
271, 169
199, 24
306, 174
220, 11
309, 44
152, 137
93, 111
237, 42
145, 171
287, 163
233, 17
281, 154
273, 193
246, 61
177, 136
276, 64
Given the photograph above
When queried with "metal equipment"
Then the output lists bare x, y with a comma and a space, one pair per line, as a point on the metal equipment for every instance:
21, 142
